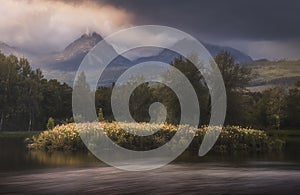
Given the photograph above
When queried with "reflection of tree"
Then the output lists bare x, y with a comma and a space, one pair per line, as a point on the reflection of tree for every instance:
59, 158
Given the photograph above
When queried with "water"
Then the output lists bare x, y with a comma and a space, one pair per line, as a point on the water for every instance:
23, 171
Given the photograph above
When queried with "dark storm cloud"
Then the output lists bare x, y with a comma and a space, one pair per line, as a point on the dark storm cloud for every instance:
261, 29
235, 19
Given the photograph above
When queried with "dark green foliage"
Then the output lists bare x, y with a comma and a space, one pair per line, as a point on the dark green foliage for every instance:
293, 108
273, 108
235, 78
27, 100
102, 100
165, 95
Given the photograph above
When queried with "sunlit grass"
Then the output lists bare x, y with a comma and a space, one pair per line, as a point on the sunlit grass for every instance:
269, 71
231, 139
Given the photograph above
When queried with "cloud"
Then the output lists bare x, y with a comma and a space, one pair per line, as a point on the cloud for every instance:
50, 25
247, 19
258, 27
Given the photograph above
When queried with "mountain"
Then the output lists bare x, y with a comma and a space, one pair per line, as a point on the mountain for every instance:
72, 55
239, 56
81, 45
7, 50
167, 55
70, 58
62, 65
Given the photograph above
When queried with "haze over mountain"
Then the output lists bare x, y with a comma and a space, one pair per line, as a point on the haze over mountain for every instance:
71, 57
67, 61
7, 50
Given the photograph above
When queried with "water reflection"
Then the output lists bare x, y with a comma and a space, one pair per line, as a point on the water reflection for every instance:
205, 178
60, 158
15, 156
24, 171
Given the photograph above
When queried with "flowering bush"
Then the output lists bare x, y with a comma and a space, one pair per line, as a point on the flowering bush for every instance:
64, 137
232, 138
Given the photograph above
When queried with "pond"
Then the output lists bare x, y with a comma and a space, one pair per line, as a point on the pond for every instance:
80, 172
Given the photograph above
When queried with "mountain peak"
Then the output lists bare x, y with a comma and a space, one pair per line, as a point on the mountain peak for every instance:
83, 44
91, 35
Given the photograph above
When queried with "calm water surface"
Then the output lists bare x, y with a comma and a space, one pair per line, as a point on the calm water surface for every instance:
23, 171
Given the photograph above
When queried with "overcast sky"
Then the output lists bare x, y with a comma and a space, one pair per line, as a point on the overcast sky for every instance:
262, 29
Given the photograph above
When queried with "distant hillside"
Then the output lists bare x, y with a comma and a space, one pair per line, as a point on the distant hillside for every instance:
239, 56
270, 73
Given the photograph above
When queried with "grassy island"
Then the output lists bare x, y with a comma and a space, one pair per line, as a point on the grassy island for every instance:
231, 139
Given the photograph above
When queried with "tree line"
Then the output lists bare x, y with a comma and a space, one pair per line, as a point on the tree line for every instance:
28, 100
274, 108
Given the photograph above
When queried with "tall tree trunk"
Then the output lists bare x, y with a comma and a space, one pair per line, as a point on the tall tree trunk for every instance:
30, 122
2, 120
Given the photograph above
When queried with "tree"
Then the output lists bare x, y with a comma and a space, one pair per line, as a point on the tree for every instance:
27, 100
103, 101
50, 123
293, 107
57, 100
140, 101
272, 105
100, 115
169, 98
82, 96
8, 87
236, 78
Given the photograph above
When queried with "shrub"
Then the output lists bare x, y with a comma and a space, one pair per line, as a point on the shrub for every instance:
63, 137
231, 139
100, 115
50, 123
